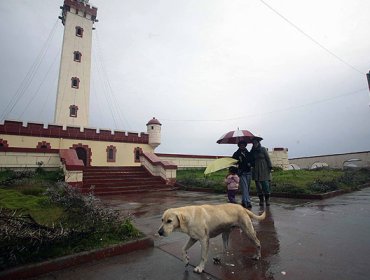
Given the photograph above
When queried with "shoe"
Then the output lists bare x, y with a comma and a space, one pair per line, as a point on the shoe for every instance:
249, 206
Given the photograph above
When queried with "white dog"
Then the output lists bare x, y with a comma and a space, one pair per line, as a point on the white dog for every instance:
207, 221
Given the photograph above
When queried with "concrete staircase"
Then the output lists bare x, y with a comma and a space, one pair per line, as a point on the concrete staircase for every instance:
120, 180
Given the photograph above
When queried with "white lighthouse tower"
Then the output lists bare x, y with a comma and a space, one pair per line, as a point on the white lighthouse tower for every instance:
72, 105
154, 130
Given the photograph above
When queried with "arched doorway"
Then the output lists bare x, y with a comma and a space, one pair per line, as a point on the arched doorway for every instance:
82, 154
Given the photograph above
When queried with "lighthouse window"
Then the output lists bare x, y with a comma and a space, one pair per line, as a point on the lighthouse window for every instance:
75, 82
73, 111
79, 31
152, 127
77, 56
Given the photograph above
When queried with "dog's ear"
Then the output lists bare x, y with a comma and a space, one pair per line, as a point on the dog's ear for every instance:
183, 221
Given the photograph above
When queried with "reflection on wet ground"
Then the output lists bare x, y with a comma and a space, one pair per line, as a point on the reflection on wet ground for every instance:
301, 239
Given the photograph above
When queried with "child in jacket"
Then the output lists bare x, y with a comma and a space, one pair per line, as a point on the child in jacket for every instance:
232, 182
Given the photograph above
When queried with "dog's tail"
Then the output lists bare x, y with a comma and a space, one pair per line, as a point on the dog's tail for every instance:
256, 217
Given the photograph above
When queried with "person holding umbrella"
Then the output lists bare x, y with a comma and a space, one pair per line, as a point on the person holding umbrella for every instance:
244, 158
261, 171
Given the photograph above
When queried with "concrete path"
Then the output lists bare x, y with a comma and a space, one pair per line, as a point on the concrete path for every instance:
328, 239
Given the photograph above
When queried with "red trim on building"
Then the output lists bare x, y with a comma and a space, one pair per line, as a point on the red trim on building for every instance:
3, 144
154, 160
43, 145
88, 9
70, 160
189, 156
280, 149
153, 121
29, 150
57, 131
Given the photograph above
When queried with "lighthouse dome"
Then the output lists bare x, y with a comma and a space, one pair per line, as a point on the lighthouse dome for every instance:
153, 121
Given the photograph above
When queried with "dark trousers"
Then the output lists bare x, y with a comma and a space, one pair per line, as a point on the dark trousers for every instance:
231, 195
262, 187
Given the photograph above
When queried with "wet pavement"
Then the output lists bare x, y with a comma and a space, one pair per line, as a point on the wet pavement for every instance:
301, 239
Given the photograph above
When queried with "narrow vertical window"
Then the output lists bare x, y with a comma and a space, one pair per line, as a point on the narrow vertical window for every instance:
137, 152
79, 31
111, 153
73, 111
77, 56
75, 82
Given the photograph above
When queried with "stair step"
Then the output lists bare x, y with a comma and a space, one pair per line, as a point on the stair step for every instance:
120, 188
114, 191
114, 168
108, 175
122, 184
102, 180
126, 179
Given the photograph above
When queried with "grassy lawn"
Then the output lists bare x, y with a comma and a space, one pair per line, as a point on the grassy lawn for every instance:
41, 218
290, 181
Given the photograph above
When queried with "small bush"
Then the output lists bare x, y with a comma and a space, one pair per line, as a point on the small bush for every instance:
322, 187
82, 223
35, 191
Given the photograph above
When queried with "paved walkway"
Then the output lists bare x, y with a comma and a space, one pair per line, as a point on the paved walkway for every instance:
328, 239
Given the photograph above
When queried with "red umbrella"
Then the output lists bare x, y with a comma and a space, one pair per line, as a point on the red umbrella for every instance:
233, 137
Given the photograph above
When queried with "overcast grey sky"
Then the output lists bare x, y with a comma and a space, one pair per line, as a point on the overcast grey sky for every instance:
290, 71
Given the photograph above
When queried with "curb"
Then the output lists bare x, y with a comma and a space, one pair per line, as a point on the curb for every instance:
283, 195
36, 269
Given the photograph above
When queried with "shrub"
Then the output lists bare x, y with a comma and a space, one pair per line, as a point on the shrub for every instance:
319, 186
84, 224
11, 177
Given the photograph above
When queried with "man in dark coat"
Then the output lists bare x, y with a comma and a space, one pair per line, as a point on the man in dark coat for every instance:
244, 171
261, 171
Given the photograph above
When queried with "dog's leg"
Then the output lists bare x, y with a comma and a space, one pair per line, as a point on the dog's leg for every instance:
204, 248
248, 229
185, 249
257, 243
225, 239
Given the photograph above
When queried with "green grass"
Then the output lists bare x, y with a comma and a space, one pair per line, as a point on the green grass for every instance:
25, 194
37, 206
290, 181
